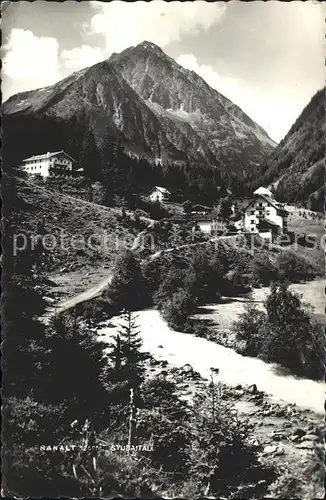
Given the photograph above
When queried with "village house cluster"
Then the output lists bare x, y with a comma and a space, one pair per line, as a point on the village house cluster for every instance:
263, 215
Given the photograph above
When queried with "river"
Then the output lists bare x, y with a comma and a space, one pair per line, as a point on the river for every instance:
180, 348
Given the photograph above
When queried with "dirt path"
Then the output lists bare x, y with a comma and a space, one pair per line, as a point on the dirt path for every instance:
88, 294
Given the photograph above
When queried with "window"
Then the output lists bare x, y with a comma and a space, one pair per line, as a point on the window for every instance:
252, 221
252, 229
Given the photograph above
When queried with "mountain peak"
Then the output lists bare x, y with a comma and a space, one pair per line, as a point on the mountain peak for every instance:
149, 46
141, 50
159, 109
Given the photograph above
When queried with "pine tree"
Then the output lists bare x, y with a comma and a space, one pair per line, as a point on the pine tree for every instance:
225, 209
115, 354
218, 438
130, 344
130, 339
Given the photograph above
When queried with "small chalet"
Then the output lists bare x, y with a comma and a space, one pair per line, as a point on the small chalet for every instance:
56, 164
208, 224
159, 194
200, 210
264, 215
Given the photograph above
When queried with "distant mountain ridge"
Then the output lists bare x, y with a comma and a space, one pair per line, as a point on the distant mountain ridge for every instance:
158, 110
296, 168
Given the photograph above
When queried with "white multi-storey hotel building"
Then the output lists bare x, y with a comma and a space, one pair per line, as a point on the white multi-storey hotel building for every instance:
57, 164
265, 215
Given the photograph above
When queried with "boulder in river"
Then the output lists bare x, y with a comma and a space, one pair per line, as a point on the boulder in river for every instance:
306, 445
310, 437
252, 389
270, 449
154, 362
187, 368
298, 432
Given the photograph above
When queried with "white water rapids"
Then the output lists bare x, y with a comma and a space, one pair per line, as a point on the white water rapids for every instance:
181, 348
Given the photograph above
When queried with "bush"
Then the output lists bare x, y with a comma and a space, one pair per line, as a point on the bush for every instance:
292, 267
284, 334
127, 290
94, 310
248, 330
177, 309
31, 422
263, 270
219, 438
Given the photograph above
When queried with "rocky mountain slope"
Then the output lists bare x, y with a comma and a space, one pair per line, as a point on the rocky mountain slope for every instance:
296, 168
158, 110
194, 116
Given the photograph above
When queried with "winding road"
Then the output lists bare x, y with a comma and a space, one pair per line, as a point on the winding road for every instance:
88, 294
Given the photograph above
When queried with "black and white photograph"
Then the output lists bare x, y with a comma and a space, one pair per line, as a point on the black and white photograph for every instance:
163, 249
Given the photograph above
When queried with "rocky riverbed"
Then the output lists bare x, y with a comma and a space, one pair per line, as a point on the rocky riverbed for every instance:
287, 437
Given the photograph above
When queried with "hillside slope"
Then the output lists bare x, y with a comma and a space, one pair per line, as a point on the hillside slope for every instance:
75, 233
296, 168
156, 109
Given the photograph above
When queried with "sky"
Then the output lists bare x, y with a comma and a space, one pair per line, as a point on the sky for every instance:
267, 57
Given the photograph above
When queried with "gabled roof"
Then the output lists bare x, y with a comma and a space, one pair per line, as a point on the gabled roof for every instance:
269, 200
201, 207
203, 218
160, 189
264, 192
48, 155
267, 222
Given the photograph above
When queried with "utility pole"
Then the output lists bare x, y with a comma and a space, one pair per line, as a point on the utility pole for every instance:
132, 419
215, 391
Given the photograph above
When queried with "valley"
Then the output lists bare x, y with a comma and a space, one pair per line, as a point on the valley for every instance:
149, 295
284, 412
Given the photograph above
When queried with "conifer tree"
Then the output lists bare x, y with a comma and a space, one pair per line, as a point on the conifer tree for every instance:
129, 334
130, 344
115, 354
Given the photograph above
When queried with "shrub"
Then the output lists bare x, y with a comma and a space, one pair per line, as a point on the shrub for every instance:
127, 290
94, 310
177, 309
284, 334
263, 270
248, 330
293, 267
176, 279
30, 422
219, 437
